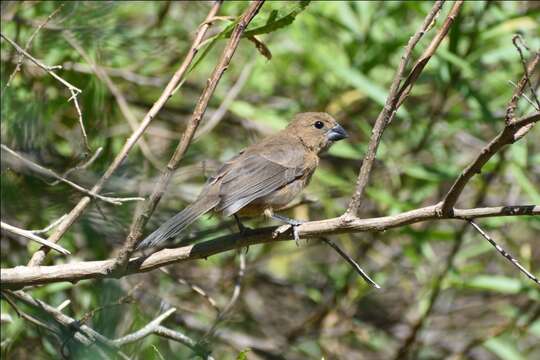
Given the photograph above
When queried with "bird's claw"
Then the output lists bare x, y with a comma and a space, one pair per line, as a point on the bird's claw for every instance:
290, 224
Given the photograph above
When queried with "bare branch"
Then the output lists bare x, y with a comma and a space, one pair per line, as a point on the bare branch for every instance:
145, 331
222, 65
31, 236
118, 96
352, 262
195, 288
33, 275
520, 88
48, 227
234, 298
233, 92
45, 171
510, 134
397, 95
504, 253
78, 210
50, 70
181, 338
29, 41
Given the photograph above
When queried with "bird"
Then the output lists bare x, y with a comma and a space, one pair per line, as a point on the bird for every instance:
261, 179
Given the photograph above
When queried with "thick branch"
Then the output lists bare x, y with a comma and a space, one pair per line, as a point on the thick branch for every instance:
33, 275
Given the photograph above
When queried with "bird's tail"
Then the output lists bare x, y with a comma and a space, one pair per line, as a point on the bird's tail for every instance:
179, 222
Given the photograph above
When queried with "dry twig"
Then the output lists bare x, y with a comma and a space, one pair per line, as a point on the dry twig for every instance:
78, 210
31, 236
45, 171
397, 95
75, 91
222, 65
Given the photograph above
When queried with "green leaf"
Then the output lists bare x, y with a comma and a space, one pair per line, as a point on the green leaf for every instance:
504, 349
273, 23
242, 355
501, 284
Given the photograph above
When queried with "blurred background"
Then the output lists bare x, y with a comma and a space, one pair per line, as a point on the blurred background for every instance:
446, 293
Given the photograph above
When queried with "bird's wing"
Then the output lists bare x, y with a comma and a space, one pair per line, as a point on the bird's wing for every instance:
257, 173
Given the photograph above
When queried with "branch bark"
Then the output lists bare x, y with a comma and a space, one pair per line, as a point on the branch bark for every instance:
21, 276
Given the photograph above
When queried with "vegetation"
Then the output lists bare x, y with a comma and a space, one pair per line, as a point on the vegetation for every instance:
446, 291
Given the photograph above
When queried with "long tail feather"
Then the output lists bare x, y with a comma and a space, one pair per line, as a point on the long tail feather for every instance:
179, 222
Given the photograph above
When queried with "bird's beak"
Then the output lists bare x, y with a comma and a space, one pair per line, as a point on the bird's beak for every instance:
336, 133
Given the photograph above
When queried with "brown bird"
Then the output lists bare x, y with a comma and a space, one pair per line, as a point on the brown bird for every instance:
262, 178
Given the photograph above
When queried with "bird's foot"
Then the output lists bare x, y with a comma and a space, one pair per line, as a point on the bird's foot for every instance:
243, 229
289, 223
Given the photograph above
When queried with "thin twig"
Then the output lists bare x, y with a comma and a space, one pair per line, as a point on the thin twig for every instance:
29, 42
195, 288
144, 331
137, 227
118, 96
181, 338
389, 110
45, 171
21, 276
85, 164
520, 88
352, 262
74, 91
233, 92
526, 74
31, 236
48, 227
232, 301
504, 253
510, 134
78, 210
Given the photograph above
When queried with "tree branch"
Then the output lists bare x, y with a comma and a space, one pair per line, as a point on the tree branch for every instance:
510, 134
397, 95
31, 236
78, 210
150, 205
21, 276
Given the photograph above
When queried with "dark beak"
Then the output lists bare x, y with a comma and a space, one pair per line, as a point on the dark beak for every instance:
337, 133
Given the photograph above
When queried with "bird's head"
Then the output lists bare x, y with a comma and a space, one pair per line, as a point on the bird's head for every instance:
317, 130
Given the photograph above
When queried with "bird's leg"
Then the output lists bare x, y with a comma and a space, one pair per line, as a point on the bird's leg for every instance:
243, 229
292, 222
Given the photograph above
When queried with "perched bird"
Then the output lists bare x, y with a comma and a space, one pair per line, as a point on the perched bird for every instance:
263, 178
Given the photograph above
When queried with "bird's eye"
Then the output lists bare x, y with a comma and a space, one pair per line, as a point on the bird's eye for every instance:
318, 124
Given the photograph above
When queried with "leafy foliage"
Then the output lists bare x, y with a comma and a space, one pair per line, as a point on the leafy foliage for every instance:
296, 303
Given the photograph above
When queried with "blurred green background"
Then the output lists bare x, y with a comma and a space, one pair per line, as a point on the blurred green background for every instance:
296, 303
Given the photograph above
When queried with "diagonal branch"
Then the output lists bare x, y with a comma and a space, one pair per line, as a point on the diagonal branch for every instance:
75, 91
118, 96
45, 171
504, 253
398, 94
31, 236
222, 65
78, 210
510, 134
